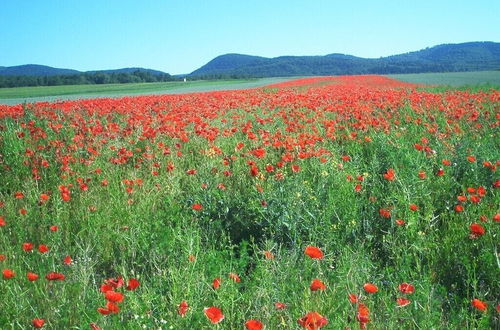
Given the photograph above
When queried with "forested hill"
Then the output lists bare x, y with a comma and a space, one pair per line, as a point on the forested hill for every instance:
41, 75
471, 56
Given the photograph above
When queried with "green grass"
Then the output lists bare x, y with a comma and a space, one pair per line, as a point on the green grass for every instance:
68, 92
489, 79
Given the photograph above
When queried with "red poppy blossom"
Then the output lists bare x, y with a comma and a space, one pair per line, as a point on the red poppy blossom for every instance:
268, 255
413, 207
38, 323
400, 222
183, 308
113, 296
254, 325
112, 307
317, 285
27, 247
234, 277
8, 274
2, 222
370, 288
403, 302
216, 283
477, 230
132, 284
3, 257
471, 159
279, 305
479, 305
54, 228
32, 276
214, 314
42, 248
312, 321
390, 175
67, 260
313, 252
55, 276
197, 207
353, 298
406, 288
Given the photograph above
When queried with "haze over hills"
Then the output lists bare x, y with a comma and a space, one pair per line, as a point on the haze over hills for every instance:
470, 56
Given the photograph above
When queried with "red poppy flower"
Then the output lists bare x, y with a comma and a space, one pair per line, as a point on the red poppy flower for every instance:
353, 298
32, 276
113, 296
370, 288
234, 277
312, 321
313, 252
477, 230
38, 323
132, 284
8, 274
254, 325
54, 228
440, 172
55, 276
216, 283
400, 222
471, 159
2, 222
19, 195
197, 207
317, 285
496, 217
67, 260
268, 255
413, 207
94, 326
479, 305
42, 248
27, 247
403, 302
363, 315
389, 175
406, 288
214, 314
103, 311
295, 168
183, 308
422, 175
3, 257
279, 305
112, 308
459, 208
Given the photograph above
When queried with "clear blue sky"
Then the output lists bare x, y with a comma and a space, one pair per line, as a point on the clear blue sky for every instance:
178, 36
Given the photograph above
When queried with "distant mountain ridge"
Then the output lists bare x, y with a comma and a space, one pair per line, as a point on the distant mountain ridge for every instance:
470, 56
43, 70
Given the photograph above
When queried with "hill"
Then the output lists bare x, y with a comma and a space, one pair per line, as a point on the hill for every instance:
471, 56
34, 70
43, 70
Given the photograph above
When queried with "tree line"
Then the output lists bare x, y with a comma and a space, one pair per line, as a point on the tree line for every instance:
87, 78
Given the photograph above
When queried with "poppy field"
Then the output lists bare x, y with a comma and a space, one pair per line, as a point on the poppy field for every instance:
352, 202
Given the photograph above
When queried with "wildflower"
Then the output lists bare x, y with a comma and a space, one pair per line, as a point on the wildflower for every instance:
216, 283
32, 276
8, 274
234, 277
389, 175
477, 230
183, 308
312, 321
42, 248
113, 296
27, 247
370, 288
67, 260
132, 284
279, 305
38, 323
197, 207
53, 276
313, 252
406, 288
254, 325
317, 285
479, 305
403, 302
214, 314
353, 298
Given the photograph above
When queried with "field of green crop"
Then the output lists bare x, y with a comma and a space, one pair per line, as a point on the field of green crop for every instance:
456, 79
20, 95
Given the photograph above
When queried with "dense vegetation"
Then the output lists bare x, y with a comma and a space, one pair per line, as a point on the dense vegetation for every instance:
335, 202
137, 76
473, 56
